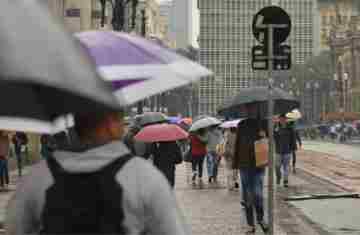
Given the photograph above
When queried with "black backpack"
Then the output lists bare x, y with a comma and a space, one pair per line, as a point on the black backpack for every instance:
84, 203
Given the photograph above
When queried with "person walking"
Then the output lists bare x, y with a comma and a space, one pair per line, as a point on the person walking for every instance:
212, 158
229, 152
284, 137
252, 177
99, 187
295, 143
198, 152
20, 142
47, 145
166, 156
4, 152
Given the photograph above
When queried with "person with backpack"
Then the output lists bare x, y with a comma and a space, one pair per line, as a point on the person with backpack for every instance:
98, 187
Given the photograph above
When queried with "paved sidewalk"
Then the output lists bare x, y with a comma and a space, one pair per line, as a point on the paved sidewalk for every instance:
346, 152
6, 194
211, 210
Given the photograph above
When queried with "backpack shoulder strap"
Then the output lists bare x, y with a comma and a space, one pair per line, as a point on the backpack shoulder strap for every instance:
115, 166
54, 166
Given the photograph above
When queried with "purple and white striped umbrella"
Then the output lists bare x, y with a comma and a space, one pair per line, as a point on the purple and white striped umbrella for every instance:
138, 68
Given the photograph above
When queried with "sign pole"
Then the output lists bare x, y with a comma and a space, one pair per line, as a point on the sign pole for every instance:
271, 189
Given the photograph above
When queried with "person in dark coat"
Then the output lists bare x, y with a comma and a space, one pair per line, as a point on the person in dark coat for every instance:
252, 177
20, 142
284, 137
166, 156
295, 142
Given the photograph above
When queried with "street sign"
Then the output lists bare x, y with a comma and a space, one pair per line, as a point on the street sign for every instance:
271, 27
281, 59
276, 21
271, 15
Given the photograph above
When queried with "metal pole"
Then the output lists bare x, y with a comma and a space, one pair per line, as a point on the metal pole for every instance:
140, 104
271, 192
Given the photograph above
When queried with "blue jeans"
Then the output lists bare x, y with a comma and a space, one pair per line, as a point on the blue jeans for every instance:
197, 165
2, 171
212, 164
19, 160
252, 182
283, 163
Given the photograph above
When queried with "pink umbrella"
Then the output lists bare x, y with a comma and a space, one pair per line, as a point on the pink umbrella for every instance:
161, 133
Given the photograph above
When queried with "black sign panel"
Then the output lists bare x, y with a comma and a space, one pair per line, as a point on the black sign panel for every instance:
271, 15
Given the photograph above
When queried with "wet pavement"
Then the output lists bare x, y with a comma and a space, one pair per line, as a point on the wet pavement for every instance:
344, 151
213, 210
337, 216
336, 163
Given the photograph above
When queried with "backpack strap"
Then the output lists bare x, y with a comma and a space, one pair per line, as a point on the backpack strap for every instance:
55, 168
113, 168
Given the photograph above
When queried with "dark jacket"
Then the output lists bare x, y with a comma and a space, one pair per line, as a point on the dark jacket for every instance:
247, 133
284, 139
20, 139
295, 138
166, 156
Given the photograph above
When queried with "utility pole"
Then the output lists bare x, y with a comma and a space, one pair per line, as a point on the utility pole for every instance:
140, 104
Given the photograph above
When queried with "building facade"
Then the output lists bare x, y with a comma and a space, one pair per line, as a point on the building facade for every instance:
80, 15
335, 12
226, 40
184, 23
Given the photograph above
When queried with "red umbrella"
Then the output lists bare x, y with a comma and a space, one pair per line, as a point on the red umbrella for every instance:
161, 133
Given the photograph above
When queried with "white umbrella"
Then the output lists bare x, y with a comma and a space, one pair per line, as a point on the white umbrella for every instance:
203, 123
231, 124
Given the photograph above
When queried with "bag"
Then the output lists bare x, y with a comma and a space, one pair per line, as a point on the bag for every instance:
84, 203
261, 152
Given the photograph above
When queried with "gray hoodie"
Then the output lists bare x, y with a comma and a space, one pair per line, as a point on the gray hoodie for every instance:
148, 201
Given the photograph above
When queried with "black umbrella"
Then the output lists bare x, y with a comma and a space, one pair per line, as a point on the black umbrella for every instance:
150, 118
239, 106
43, 73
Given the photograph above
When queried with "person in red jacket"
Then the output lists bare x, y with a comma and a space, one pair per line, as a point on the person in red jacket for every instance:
198, 153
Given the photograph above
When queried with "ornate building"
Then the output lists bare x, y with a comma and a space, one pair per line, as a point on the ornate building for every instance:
343, 39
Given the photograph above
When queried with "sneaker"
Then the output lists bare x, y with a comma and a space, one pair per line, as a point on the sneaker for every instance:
286, 183
250, 230
278, 181
264, 226
210, 179
194, 177
236, 185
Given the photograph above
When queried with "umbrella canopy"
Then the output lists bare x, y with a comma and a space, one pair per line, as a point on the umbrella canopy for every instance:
150, 118
174, 120
204, 123
43, 74
161, 133
138, 68
231, 124
257, 97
